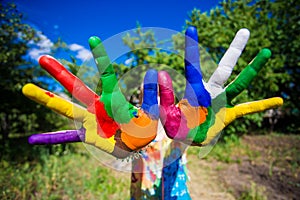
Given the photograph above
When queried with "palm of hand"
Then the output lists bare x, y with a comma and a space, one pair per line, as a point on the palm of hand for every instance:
118, 128
206, 109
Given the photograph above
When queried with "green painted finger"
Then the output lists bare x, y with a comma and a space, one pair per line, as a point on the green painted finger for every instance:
114, 101
247, 75
103, 63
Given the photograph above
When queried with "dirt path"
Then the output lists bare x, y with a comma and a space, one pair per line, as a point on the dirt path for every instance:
204, 182
261, 167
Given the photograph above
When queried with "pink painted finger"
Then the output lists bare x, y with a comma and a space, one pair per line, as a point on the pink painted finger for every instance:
72, 83
165, 89
170, 115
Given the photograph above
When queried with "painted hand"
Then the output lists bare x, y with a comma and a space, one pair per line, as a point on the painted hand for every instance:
109, 122
206, 108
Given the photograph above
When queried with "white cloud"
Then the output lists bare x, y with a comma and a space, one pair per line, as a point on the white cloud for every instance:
44, 42
36, 53
42, 47
84, 54
45, 45
129, 61
81, 52
75, 47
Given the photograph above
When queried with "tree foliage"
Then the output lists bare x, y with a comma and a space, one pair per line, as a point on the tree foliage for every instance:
18, 114
149, 52
273, 24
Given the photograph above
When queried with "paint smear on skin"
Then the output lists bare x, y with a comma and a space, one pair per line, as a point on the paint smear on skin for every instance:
139, 131
199, 133
174, 122
194, 115
136, 142
108, 127
140, 126
49, 94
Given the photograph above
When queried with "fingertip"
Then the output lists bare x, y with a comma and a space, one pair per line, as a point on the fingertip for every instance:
151, 77
261, 59
150, 103
27, 88
279, 101
165, 89
244, 33
163, 76
45, 59
33, 139
191, 32
266, 53
94, 41
164, 80
50, 64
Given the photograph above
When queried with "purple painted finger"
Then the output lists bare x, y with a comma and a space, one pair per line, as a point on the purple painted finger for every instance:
58, 137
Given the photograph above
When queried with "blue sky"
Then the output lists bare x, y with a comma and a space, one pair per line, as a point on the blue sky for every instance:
76, 21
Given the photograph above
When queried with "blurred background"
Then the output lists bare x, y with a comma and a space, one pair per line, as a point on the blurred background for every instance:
257, 156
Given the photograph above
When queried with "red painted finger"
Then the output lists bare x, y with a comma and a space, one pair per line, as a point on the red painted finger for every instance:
72, 83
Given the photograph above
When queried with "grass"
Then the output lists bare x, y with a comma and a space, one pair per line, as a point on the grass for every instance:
255, 192
229, 150
70, 172
60, 174
224, 150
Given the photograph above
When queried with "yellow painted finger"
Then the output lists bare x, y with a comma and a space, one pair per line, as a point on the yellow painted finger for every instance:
251, 107
54, 102
227, 115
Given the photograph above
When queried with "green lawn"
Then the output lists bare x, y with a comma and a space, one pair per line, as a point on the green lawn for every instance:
59, 172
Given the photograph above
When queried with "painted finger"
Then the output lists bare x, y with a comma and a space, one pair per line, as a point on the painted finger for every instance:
115, 104
166, 91
247, 75
59, 137
227, 115
174, 123
72, 83
228, 61
142, 128
54, 102
105, 68
251, 107
150, 104
195, 91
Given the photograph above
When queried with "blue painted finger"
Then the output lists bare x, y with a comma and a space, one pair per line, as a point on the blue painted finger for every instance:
150, 103
195, 91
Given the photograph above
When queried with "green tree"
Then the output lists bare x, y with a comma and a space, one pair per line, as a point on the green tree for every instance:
18, 114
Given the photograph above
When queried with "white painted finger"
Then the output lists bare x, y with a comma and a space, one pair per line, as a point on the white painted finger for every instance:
228, 61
